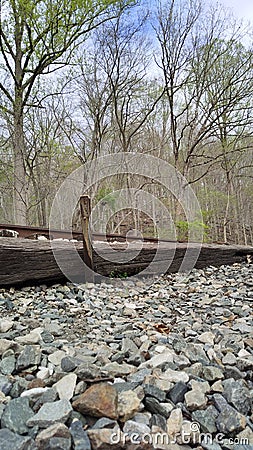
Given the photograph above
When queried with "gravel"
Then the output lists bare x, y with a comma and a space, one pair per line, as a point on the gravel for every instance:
128, 365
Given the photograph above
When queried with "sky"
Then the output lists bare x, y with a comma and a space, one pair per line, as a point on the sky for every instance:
243, 9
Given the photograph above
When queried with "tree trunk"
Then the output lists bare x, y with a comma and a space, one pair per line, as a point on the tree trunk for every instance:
20, 188
20, 185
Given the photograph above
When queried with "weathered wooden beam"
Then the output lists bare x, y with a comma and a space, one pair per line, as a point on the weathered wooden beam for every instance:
85, 209
209, 255
25, 261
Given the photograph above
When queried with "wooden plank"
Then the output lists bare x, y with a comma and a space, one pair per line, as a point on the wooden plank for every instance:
210, 255
24, 261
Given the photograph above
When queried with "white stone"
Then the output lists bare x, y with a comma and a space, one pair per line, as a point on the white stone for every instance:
51, 368
217, 386
5, 325
144, 346
195, 400
56, 357
181, 361
34, 392
34, 337
42, 238
118, 380
164, 385
206, 338
128, 405
201, 386
53, 327
211, 354
2, 397
70, 351
174, 423
175, 375
43, 373
157, 360
243, 353
66, 386
129, 305
160, 348
229, 358
27, 301
144, 338
5, 344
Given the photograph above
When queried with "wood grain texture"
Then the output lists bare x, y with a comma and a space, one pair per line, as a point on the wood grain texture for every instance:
24, 261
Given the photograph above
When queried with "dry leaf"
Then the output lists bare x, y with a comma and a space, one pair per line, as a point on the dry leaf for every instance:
161, 328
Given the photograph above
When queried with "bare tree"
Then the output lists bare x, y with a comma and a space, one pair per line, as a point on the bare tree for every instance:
203, 78
38, 38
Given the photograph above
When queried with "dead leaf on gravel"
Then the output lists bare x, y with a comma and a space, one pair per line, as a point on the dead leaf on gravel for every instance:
162, 328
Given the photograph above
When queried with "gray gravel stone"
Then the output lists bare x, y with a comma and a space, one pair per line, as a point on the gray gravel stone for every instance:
104, 422
211, 446
129, 346
56, 357
143, 417
48, 396
89, 371
51, 413
229, 359
117, 370
18, 387
47, 337
233, 372
16, 414
196, 353
176, 394
56, 436
13, 441
206, 418
5, 385
195, 399
139, 376
99, 332
5, 344
79, 436
5, 325
7, 365
154, 391
65, 387
155, 407
69, 363
159, 421
30, 356
230, 421
238, 395
131, 427
212, 373
219, 402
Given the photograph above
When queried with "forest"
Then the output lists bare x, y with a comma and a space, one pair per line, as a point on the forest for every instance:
168, 78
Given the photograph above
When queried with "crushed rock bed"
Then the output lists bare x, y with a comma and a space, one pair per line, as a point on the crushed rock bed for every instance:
129, 366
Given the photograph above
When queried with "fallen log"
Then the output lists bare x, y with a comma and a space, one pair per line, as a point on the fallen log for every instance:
25, 261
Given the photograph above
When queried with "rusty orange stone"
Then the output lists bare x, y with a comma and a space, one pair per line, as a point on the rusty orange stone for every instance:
99, 400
